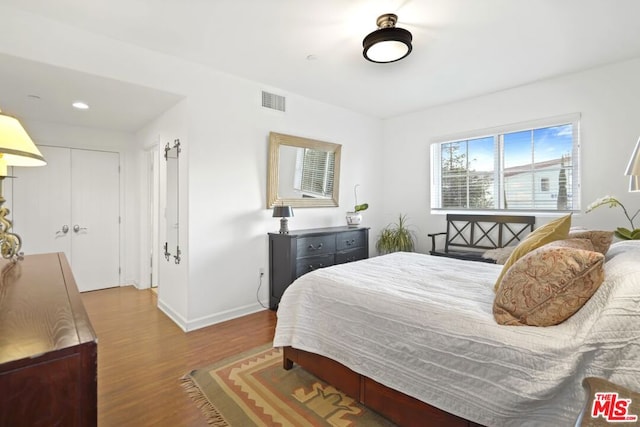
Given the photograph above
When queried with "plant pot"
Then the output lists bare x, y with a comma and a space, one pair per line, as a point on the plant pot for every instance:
354, 219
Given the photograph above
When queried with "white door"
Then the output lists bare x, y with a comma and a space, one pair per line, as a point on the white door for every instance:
72, 206
95, 217
41, 203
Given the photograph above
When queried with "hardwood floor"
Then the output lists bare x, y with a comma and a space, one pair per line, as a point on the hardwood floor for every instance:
142, 354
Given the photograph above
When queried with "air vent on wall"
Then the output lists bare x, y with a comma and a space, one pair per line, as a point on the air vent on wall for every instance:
273, 101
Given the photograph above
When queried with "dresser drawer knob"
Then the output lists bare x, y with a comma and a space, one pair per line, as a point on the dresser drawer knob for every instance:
315, 248
351, 242
315, 267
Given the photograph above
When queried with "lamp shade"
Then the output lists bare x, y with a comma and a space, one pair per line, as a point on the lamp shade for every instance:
282, 211
634, 183
633, 168
387, 43
16, 147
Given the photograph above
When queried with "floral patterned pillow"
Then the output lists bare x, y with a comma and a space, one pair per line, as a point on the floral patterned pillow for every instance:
601, 239
549, 284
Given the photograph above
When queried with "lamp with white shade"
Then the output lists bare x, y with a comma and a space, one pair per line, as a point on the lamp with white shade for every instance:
633, 169
16, 149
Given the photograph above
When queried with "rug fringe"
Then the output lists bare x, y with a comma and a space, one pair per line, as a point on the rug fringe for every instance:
213, 416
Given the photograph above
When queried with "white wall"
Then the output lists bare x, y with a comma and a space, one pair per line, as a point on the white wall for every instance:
228, 218
608, 99
173, 281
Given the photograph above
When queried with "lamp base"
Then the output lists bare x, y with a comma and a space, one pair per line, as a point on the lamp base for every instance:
10, 243
284, 226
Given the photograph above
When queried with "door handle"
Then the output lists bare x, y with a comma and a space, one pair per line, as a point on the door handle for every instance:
63, 230
77, 228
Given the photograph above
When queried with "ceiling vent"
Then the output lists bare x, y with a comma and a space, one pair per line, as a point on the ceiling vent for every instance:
273, 101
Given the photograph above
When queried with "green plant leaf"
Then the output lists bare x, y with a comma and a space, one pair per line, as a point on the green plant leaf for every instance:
396, 237
362, 207
635, 234
623, 233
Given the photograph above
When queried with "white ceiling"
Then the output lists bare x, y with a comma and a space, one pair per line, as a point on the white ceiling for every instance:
36, 91
462, 48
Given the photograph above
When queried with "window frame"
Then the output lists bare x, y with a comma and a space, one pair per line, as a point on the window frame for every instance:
497, 134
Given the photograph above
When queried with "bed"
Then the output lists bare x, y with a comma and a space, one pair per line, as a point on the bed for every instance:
422, 327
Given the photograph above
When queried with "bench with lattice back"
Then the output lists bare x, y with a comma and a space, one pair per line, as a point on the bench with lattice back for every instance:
470, 236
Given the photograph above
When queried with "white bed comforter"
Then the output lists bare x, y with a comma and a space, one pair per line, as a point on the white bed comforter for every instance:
423, 325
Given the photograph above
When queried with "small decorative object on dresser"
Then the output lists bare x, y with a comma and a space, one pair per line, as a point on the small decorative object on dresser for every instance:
354, 218
299, 252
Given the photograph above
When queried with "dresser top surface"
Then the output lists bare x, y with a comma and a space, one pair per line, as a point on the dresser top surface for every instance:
40, 308
320, 231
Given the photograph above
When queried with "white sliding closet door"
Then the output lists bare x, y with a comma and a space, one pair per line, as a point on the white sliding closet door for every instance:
72, 205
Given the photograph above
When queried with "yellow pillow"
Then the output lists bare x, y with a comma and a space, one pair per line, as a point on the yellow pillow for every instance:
555, 230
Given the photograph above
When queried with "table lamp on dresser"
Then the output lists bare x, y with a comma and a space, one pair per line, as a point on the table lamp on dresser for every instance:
283, 212
16, 149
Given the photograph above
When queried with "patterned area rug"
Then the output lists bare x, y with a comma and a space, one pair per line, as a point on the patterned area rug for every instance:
252, 389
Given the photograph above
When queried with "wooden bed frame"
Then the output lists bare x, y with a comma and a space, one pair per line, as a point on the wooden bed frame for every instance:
398, 407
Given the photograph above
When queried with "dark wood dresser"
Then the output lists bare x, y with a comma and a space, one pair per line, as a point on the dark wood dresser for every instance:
48, 349
301, 251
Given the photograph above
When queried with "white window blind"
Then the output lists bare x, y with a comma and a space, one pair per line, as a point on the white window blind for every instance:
526, 167
317, 173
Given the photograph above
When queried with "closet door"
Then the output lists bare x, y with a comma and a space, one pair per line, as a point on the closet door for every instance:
41, 203
72, 205
95, 219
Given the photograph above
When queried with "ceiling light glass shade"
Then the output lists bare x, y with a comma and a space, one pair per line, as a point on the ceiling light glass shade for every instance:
16, 147
387, 43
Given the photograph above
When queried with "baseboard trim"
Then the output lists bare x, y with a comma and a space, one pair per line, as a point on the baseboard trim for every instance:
177, 318
209, 320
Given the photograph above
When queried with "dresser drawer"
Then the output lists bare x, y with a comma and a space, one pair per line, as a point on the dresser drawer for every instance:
349, 240
305, 265
316, 245
351, 255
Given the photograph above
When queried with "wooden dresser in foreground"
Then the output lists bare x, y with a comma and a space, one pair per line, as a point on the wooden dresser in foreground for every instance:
48, 348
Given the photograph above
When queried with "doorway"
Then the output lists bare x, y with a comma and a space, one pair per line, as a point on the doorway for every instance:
153, 210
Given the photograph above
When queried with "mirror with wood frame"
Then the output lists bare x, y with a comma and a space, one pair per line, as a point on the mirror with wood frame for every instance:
302, 172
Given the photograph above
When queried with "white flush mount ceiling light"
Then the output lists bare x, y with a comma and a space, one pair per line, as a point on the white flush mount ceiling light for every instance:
387, 43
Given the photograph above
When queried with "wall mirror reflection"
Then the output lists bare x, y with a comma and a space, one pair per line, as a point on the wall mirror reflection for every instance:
302, 172
172, 244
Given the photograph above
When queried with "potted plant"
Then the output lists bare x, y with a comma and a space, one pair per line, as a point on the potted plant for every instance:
620, 232
396, 237
354, 218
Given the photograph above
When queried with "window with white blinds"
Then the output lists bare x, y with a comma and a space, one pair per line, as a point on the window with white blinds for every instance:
525, 167
316, 177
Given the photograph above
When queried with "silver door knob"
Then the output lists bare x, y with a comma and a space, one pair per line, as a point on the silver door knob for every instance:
63, 230
77, 228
